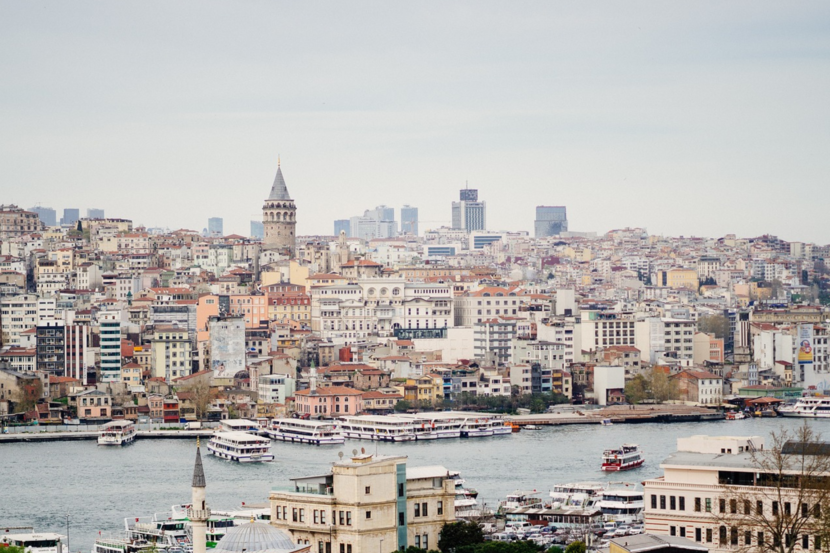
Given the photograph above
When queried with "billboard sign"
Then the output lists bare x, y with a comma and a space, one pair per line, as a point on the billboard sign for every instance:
805, 344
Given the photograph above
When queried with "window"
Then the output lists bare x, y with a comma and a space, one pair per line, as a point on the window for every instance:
440, 508
805, 510
316, 517
673, 503
787, 508
342, 548
747, 507
322, 517
400, 490
672, 531
302, 515
747, 537
425, 541
759, 507
805, 542
662, 501
368, 490
294, 514
722, 505
817, 512
368, 515
401, 519
424, 509
342, 518
417, 540
760, 540
709, 506
709, 535
682, 503
417, 509
697, 505
653, 501
775, 508
817, 543
733, 536
698, 534
682, 531
348, 518
733, 506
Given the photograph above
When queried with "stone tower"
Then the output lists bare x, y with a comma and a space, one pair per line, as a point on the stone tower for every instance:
198, 513
279, 217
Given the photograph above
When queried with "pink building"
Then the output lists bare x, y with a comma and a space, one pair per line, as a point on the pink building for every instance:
331, 401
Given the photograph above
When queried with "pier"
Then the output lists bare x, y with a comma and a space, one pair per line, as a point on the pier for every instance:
621, 414
93, 435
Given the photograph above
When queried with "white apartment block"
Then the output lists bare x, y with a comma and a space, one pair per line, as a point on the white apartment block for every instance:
379, 307
17, 314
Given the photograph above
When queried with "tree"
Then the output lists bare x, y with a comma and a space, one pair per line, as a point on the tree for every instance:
459, 534
28, 395
637, 389
200, 396
663, 388
403, 406
718, 325
576, 547
782, 500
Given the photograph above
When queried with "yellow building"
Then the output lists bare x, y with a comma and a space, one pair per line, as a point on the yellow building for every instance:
678, 279
367, 503
170, 352
427, 389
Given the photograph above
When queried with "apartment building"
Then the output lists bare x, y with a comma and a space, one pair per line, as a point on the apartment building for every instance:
171, 352
367, 503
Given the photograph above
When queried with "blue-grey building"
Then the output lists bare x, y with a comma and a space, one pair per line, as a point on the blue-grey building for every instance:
93, 213
47, 215
342, 225
70, 216
216, 226
550, 221
409, 220
257, 229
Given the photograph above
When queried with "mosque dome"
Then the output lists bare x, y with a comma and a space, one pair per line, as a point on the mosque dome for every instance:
256, 537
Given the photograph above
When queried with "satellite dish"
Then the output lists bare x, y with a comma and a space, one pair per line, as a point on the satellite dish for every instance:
354, 452
340, 454
363, 450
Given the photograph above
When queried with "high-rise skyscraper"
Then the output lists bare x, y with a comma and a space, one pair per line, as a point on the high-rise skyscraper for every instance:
469, 213
375, 223
550, 221
70, 216
279, 217
47, 215
342, 225
93, 213
257, 229
215, 226
409, 220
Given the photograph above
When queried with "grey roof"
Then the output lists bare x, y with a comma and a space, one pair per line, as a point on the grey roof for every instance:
649, 542
256, 537
279, 191
198, 472
710, 460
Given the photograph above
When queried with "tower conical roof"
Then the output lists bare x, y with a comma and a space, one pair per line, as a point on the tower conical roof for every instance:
198, 471
279, 191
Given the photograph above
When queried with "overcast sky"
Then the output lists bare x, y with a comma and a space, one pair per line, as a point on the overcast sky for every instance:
687, 118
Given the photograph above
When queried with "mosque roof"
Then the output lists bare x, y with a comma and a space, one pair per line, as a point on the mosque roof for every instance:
256, 537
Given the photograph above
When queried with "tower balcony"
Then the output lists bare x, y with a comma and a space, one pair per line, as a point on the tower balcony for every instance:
198, 515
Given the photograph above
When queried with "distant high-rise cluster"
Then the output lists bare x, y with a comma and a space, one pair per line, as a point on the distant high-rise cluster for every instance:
469, 214
70, 216
93, 213
257, 230
47, 215
409, 220
215, 226
550, 221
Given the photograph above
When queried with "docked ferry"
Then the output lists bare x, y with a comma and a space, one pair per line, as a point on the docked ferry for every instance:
582, 495
121, 432
626, 457
807, 407
241, 447
621, 503
378, 428
305, 431
440, 425
40, 542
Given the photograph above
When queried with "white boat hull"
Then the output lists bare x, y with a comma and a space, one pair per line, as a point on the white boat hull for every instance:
313, 440
804, 415
126, 440
378, 437
240, 458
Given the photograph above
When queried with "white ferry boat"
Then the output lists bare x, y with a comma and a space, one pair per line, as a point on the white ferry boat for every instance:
626, 457
378, 428
40, 542
621, 503
241, 447
807, 407
120, 432
305, 431
440, 425
582, 495
519, 499
147, 535
239, 425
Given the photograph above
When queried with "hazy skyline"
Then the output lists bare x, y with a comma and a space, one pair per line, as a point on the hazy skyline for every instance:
700, 118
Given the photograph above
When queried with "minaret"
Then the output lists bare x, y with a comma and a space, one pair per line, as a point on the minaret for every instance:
279, 218
198, 512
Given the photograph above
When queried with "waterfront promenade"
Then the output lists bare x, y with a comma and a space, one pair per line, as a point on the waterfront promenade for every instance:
93, 435
619, 414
